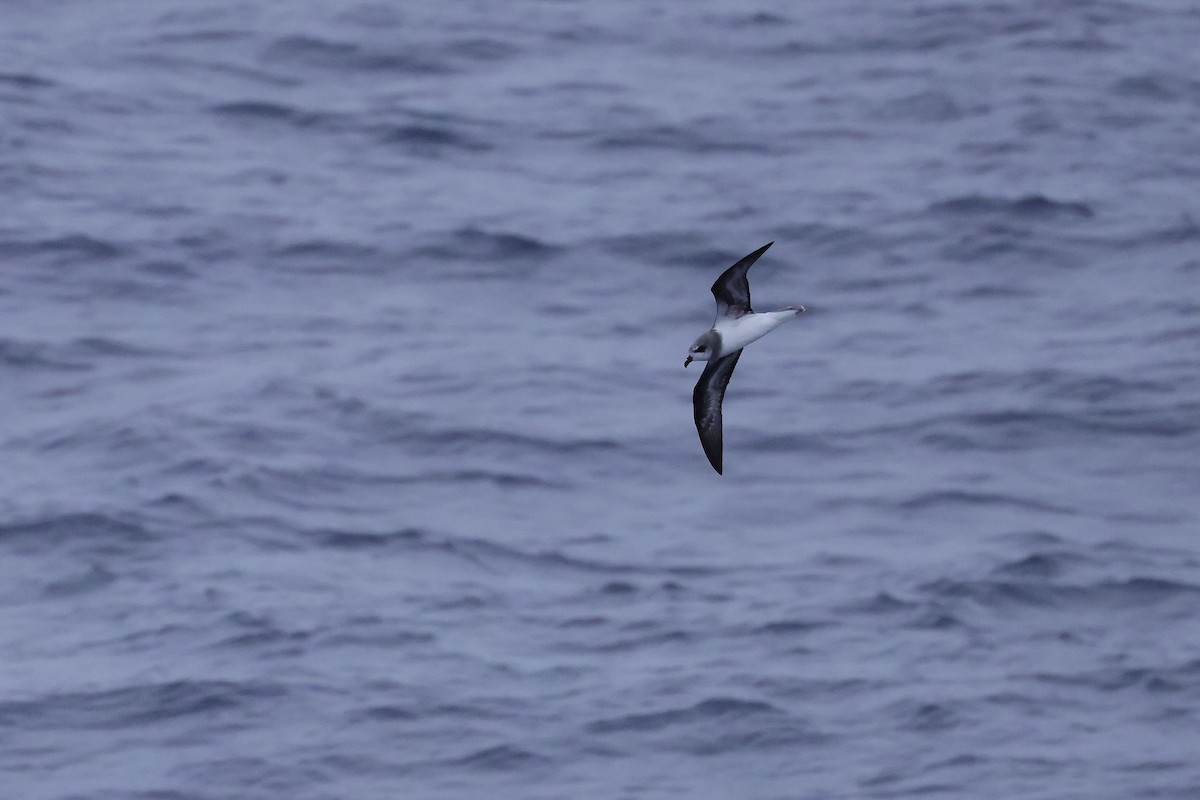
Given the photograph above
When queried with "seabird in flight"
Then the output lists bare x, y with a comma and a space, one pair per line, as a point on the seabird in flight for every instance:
736, 326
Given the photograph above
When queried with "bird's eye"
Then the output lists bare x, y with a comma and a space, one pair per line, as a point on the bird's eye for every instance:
700, 349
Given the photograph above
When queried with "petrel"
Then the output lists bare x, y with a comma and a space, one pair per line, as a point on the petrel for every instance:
736, 326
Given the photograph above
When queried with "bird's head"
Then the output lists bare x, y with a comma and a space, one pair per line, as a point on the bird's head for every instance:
705, 348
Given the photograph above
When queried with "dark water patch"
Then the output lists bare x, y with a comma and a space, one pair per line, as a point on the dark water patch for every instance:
387, 639
1183, 334
168, 269
1036, 207
1184, 677
386, 713
478, 246
352, 540
329, 257
1095, 389
1184, 231
631, 644
875, 284
789, 627
20, 355
136, 706
202, 36
259, 632
755, 19
94, 347
391, 428
692, 140
960, 497
1032, 539
785, 735
924, 717
716, 709
1070, 44
809, 688
989, 291
176, 63
501, 758
714, 727
928, 106
1022, 430
309, 51
280, 483
1107, 594
144, 794
67, 249
90, 533
428, 139
1009, 245
1148, 517
112, 443
1051, 384
487, 553
24, 80
658, 247
880, 603
483, 49
830, 240
1041, 565
263, 111
251, 775
925, 30
701, 257
95, 577
935, 619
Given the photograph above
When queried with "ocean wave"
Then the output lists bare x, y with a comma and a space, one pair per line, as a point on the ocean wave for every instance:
69, 248
25, 80
493, 555
714, 726
1108, 594
1184, 677
501, 758
477, 246
93, 578
1033, 206
428, 139
266, 111
1026, 430
723, 709
312, 51
1040, 565
25, 355
137, 706
961, 497
693, 139
95, 534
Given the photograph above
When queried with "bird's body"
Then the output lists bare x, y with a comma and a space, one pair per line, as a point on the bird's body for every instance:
736, 326
737, 332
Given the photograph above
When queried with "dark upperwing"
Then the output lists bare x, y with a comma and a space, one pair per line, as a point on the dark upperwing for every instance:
706, 404
732, 289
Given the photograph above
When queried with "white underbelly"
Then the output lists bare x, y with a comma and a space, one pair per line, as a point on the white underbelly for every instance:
739, 332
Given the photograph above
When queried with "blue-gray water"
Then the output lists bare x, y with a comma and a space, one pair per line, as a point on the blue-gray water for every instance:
347, 450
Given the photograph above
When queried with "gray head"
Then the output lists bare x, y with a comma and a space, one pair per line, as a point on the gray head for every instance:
706, 348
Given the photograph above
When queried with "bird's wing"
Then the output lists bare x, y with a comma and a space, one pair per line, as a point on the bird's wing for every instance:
732, 290
706, 404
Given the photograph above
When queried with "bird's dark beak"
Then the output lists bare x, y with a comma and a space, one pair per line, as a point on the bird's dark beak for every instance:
689, 360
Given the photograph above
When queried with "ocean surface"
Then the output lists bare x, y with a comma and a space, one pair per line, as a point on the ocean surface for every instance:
346, 449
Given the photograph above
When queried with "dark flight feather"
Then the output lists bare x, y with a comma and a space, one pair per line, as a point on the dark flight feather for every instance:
732, 289
706, 405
